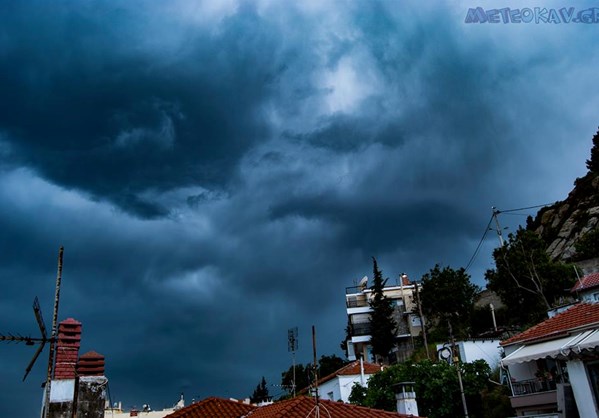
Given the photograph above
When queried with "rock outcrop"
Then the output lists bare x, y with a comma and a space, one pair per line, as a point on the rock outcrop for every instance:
564, 223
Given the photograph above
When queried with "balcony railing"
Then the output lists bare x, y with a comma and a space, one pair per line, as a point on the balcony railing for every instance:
361, 329
357, 303
525, 387
353, 289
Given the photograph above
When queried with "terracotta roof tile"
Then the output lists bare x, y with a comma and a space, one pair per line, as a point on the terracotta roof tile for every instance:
348, 370
587, 282
580, 315
302, 407
214, 407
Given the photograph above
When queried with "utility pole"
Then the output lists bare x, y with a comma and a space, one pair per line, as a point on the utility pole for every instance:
456, 362
498, 229
422, 323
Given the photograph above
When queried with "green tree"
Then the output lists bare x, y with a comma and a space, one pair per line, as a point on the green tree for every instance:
382, 324
260, 393
448, 295
528, 282
593, 162
436, 386
330, 364
588, 245
326, 365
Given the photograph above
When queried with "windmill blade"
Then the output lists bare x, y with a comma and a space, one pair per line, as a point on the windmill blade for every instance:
38, 316
35, 356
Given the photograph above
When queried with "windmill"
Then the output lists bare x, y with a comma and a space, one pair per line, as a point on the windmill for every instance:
44, 338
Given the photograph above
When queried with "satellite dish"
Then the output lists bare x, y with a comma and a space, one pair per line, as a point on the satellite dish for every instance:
364, 282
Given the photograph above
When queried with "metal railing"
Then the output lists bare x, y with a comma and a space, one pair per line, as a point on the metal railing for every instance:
525, 387
357, 303
361, 329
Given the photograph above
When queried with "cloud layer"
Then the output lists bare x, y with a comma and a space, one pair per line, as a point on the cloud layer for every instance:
218, 172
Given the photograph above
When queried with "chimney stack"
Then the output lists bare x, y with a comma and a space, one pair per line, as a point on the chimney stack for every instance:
67, 349
91, 388
406, 398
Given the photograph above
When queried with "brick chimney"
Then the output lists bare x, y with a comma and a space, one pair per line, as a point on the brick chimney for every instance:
67, 349
91, 389
91, 364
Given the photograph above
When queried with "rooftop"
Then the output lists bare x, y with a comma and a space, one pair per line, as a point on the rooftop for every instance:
587, 282
578, 316
350, 369
214, 407
302, 407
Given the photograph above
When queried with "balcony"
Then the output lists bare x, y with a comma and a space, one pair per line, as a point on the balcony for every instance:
534, 395
525, 387
361, 329
357, 303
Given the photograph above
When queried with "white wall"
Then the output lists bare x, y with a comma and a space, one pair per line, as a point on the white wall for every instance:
341, 387
582, 389
487, 350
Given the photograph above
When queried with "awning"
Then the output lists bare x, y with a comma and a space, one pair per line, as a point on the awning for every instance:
587, 341
537, 351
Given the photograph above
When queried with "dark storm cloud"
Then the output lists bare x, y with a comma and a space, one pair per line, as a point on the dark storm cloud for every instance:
220, 172
92, 104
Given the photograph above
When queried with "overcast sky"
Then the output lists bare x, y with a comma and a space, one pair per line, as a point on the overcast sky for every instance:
220, 171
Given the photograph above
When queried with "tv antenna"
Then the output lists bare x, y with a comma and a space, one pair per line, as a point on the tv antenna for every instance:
292, 348
44, 338
317, 404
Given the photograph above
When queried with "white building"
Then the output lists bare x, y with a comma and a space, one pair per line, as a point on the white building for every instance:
472, 350
403, 296
116, 411
554, 366
338, 385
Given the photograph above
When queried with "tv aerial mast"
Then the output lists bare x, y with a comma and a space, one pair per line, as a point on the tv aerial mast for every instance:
44, 338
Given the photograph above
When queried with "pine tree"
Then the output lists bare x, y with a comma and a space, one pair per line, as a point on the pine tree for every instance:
382, 324
593, 162
260, 393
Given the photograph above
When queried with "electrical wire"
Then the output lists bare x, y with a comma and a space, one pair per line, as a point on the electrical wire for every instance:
480, 243
520, 209
505, 212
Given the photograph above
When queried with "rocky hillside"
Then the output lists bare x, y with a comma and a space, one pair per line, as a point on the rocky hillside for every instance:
571, 227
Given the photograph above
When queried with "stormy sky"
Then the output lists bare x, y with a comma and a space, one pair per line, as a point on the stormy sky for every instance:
220, 171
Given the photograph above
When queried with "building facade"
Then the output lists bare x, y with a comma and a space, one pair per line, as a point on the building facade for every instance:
404, 298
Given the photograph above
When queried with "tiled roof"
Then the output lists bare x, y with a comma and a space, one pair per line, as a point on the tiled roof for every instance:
350, 369
578, 316
354, 368
587, 282
213, 408
302, 407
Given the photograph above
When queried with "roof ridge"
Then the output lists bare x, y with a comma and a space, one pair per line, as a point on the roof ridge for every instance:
577, 312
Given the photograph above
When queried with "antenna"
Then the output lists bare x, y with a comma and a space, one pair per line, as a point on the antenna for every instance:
317, 405
44, 337
292, 347
364, 282
51, 354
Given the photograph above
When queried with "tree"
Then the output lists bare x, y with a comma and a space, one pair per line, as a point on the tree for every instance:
435, 383
528, 282
448, 295
330, 364
382, 324
588, 245
260, 393
593, 162
303, 373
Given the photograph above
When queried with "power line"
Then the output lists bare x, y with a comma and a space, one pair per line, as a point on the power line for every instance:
480, 243
496, 212
520, 209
